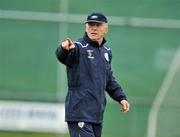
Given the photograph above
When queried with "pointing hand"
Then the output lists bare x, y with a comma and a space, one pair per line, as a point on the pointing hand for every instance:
68, 44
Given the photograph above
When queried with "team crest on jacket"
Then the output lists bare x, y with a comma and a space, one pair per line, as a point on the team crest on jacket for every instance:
81, 124
106, 56
90, 54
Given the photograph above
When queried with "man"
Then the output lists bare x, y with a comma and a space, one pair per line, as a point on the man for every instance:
88, 63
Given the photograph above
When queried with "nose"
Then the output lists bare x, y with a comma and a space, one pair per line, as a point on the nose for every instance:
94, 27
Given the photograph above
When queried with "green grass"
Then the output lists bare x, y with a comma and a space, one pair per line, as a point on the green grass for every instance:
25, 134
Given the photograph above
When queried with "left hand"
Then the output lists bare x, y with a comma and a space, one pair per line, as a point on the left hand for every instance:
124, 106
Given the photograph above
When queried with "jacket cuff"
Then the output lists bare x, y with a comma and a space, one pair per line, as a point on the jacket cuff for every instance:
122, 98
64, 50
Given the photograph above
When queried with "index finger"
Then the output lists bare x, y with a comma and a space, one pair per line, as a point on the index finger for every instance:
70, 41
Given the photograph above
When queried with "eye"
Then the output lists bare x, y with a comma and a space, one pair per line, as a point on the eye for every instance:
94, 24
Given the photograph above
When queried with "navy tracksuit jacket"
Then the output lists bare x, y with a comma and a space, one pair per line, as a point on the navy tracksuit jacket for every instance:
89, 76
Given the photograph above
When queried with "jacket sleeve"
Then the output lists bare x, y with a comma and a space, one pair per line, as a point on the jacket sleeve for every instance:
113, 88
67, 57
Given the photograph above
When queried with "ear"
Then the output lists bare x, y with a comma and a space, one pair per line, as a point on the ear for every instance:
106, 28
86, 27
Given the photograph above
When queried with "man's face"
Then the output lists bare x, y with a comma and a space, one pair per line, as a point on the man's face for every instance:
96, 31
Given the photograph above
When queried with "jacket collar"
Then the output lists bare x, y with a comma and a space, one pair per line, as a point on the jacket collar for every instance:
95, 44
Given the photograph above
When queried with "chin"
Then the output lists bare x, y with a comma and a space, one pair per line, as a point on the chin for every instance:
94, 39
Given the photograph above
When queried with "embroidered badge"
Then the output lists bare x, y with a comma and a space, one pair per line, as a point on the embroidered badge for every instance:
94, 17
90, 54
81, 124
106, 56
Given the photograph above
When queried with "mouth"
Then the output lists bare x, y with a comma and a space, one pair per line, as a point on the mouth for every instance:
93, 33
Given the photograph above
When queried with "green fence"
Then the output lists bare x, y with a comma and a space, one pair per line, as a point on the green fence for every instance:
143, 36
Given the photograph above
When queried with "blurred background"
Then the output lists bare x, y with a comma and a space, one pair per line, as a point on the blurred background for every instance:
144, 37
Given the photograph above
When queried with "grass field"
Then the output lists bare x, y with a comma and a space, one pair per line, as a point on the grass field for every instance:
20, 134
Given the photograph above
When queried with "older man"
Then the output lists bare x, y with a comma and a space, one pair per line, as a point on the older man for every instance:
88, 63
